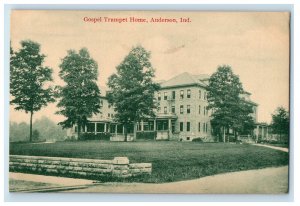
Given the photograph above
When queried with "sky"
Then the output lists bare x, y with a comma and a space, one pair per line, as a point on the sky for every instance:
254, 44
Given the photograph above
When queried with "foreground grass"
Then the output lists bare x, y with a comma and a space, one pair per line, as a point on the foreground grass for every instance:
171, 161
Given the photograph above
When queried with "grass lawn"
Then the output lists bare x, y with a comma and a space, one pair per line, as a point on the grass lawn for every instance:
171, 161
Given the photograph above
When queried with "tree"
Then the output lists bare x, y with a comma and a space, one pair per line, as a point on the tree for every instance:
280, 122
230, 110
80, 97
28, 80
49, 130
132, 89
35, 135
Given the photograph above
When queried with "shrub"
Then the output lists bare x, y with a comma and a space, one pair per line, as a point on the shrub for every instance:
146, 135
92, 136
238, 141
198, 139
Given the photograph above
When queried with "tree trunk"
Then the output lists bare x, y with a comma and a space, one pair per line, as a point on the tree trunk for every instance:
78, 130
224, 137
30, 130
125, 132
134, 131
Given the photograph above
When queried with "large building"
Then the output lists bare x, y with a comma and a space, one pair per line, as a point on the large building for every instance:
182, 113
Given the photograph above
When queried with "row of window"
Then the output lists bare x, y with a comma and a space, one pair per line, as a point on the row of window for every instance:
188, 109
148, 126
103, 127
188, 127
110, 115
181, 95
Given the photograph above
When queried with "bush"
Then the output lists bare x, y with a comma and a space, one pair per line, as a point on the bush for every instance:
146, 135
238, 141
198, 139
92, 136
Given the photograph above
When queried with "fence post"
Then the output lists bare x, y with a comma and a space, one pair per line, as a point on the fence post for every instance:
120, 167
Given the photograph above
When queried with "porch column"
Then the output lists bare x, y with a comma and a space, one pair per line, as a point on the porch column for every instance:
142, 125
108, 125
123, 130
267, 133
154, 126
116, 129
95, 128
169, 128
105, 127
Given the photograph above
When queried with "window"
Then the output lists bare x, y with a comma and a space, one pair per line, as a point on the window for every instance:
165, 110
90, 127
108, 114
188, 126
173, 109
206, 127
162, 125
204, 95
100, 127
151, 125
203, 127
181, 109
158, 96
181, 126
173, 94
199, 94
188, 138
165, 95
181, 94
188, 94
120, 128
146, 126
158, 109
204, 109
112, 128
188, 109
199, 127
199, 109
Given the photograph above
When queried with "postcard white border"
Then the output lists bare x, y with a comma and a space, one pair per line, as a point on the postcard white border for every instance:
63, 197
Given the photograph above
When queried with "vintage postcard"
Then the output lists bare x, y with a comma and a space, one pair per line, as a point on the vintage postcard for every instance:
178, 102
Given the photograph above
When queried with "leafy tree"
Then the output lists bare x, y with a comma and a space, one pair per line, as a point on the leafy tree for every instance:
17, 132
230, 110
280, 122
48, 130
80, 97
28, 80
132, 89
35, 135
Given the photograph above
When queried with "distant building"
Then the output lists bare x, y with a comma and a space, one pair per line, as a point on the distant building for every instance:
182, 113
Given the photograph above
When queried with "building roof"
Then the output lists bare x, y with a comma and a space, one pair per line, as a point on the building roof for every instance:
185, 79
103, 91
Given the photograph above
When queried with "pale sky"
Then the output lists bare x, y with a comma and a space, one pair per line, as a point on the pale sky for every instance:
256, 45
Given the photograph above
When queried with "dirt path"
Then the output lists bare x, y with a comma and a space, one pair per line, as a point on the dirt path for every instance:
63, 181
262, 181
273, 147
